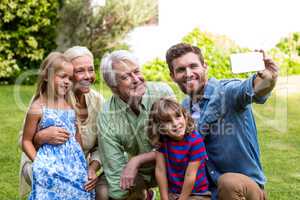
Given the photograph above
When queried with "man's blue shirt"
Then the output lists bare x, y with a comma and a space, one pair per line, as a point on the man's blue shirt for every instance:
224, 115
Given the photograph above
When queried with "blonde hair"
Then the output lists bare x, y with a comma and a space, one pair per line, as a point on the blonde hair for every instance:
161, 111
45, 86
78, 51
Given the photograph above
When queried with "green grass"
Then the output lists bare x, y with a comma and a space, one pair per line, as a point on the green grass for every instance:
280, 150
10, 121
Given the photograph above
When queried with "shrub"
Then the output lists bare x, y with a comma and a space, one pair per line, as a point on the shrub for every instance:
27, 33
287, 54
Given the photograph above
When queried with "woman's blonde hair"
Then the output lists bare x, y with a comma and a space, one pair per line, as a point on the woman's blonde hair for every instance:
161, 111
78, 51
45, 85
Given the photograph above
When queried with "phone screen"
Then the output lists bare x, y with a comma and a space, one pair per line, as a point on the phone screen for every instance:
247, 62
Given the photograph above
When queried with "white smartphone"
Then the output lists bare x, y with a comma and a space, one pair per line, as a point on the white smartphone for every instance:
247, 62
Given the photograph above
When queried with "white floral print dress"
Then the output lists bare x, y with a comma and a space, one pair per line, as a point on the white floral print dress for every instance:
60, 171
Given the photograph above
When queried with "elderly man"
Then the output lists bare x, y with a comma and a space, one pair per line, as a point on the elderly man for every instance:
223, 113
125, 151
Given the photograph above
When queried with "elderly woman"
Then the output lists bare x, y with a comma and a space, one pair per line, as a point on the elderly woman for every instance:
88, 102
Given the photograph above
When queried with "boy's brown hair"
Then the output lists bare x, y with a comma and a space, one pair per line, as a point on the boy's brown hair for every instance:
161, 111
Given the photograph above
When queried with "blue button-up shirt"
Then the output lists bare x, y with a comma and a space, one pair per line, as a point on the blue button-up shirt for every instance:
224, 115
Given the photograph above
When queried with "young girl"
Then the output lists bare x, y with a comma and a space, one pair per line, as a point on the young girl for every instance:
59, 171
181, 155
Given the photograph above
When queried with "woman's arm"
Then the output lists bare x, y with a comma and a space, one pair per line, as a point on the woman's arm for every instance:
189, 180
161, 175
50, 135
30, 128
78, 136
94, 166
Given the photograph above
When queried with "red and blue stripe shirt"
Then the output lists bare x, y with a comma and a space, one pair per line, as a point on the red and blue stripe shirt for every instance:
178, 154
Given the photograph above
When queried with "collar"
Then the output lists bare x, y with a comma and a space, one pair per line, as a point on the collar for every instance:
123, 104
208, 92
209, 88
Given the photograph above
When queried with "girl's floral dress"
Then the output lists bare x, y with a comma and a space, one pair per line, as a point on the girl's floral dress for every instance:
59, 172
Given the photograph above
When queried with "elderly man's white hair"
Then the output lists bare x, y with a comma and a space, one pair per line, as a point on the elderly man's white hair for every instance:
78, 51
107, 61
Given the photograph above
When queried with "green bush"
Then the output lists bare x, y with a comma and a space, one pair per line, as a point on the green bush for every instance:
30, 29
287, 54
27, 33
156, 70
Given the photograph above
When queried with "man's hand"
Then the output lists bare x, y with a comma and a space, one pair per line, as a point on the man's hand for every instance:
51, 135
129, 173
266, 79
271, 70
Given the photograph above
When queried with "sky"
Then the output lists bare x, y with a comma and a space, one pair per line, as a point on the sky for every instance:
256, 24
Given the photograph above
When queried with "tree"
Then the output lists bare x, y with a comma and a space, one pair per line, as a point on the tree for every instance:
287, 54
27, 33
104, 28
290, 44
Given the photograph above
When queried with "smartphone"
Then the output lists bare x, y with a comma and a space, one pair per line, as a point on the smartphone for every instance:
247, 62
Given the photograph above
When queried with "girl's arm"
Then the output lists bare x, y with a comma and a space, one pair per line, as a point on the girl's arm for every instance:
30, 128
161, 175
189, 180
78, 136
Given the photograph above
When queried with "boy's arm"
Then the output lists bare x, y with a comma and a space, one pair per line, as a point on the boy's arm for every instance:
30, 128
189, 180
161, 175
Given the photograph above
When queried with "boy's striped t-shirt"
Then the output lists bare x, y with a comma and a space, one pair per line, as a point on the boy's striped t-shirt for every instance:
178, 154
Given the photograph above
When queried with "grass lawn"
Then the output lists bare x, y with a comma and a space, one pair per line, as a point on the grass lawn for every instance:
280, 150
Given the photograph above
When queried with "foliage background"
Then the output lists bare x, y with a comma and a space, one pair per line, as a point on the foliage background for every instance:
30, 29
27, 32
102, 29
216, 50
